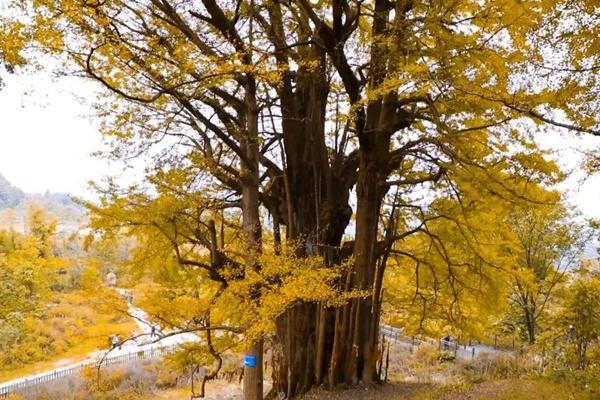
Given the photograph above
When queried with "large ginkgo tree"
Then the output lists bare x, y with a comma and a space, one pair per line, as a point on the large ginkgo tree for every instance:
342, 120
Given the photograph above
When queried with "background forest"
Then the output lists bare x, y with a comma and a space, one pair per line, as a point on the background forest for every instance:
49, 283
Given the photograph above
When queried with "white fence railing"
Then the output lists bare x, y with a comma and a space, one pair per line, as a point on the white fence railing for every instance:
465, 352
42, 378
459, 351
396, 335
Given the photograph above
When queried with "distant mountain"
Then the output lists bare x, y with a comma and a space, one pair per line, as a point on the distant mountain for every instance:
10, 196
60, 198
14, 204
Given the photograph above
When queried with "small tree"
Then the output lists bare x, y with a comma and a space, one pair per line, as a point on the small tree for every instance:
42, 228
580, 314
549, 243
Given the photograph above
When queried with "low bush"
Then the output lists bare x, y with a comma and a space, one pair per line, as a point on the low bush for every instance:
445, 356
424, 355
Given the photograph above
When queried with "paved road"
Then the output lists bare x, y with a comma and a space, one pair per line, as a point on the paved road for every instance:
470, 352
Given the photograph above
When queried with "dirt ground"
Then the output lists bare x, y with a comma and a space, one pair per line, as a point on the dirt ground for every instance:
390, 391
396, 391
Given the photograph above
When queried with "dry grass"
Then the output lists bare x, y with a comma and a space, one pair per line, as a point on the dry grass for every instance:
136, 381
508, 389
215, 390
419, 375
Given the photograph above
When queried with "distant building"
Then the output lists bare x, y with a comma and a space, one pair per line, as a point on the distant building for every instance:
111, 279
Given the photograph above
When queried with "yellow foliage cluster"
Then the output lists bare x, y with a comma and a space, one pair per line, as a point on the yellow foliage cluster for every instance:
456, 275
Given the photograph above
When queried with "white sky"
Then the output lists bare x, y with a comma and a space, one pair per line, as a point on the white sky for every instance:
582, 190
47, 137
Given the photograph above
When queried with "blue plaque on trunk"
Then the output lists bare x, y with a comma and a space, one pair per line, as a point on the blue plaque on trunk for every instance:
250, 361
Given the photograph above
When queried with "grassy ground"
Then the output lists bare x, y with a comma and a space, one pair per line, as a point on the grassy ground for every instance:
509, 389
77, 328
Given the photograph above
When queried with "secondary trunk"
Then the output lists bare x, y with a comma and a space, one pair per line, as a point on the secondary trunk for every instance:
320, 344
253, 365
253, 373
530, 322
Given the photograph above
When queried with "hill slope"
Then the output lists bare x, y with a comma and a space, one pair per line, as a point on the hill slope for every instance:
10, 196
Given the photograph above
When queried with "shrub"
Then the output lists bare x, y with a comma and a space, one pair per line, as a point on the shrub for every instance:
424, 355
445, 356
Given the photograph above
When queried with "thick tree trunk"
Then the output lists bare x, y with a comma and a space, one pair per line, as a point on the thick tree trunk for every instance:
323, 345
332, 346
317, 215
